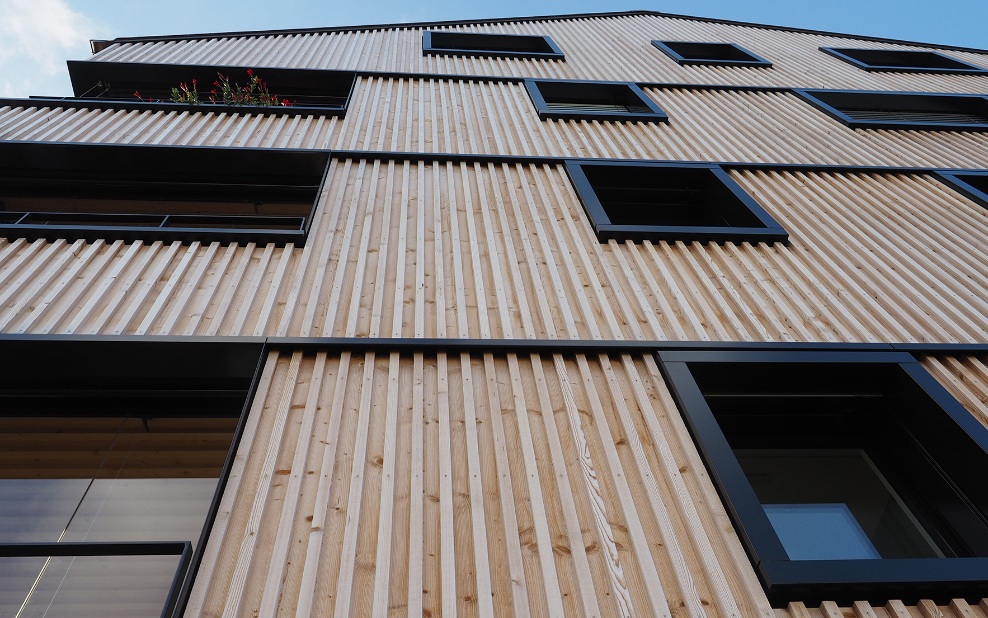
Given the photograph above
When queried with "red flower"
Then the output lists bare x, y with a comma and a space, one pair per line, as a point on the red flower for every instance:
285, 103
137, 94
193, 82
250, 71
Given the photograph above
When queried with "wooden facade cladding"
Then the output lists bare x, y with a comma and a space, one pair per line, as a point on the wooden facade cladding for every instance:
442, 116
443, 477
460, 250
487, 484
597, 48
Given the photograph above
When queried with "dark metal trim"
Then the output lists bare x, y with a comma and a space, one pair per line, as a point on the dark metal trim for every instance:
181, 599
182, 549
755, 61
813, 581
112, 548
114, 83
230, 174
430, 48
835, 110
958, 181
549, 346
185, 235
446, 157
770, 230
166, 106
622, 93
847, 55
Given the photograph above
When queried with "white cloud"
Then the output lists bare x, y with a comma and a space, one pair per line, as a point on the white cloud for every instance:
36, 37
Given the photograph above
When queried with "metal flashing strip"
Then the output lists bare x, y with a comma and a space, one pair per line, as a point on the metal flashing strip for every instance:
497, 159
551, 346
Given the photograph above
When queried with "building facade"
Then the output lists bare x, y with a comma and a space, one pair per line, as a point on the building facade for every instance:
610, 314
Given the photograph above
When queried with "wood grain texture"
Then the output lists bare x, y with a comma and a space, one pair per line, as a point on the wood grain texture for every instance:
490, 251
612, 511
469, 117
602, 503
596, 48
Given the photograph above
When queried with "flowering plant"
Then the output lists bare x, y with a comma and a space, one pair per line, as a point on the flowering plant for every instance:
254, 93
228, 92
184, 94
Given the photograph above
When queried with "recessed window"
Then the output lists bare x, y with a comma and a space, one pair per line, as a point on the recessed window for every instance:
593, 101
973, 185
112, 464
894, 110
727, 54
157, 193
850, 476
490, 45
668, 201
903, 61
304, 91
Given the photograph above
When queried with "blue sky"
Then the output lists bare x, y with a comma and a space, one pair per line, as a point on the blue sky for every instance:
37, 36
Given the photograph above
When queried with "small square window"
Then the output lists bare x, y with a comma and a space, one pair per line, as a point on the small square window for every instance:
849, 475
896, 110
973, 185
307, 91
903, 61
490, 45
97, 191
726, 54
669, 201
592, 101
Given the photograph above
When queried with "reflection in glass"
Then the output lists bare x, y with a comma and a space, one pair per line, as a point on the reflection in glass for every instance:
86, 586
85, 479
38, 510
142, 510
833, 504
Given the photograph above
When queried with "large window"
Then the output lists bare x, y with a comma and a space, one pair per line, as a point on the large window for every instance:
903, 61
576, 100
111, 463
849, 475
157, 193
902, 110
669, 201
305, 91
490, 45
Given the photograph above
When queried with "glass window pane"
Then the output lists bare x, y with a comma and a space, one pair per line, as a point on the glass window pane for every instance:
143, 510
98, 586
17, 576
838, 492
820, 532
38, 510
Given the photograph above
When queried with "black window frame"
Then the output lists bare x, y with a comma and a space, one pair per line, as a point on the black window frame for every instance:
859, 57
835, 102
113, 85
972, 184
946, 425
222, 174
768, 230
161, 377
445, 43
617, 93
683, 57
